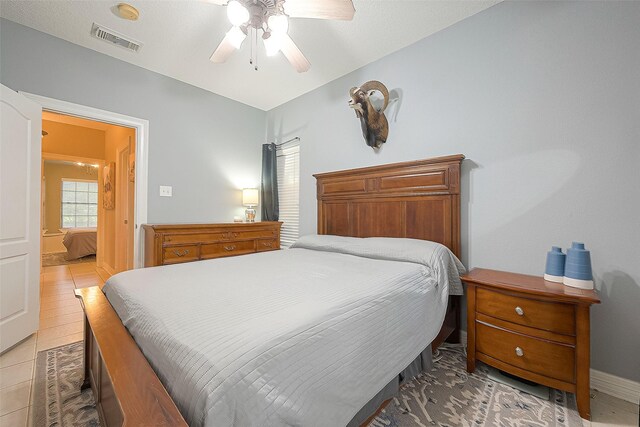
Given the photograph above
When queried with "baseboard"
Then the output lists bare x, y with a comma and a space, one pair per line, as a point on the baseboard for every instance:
612, 385
615, 386
108, 269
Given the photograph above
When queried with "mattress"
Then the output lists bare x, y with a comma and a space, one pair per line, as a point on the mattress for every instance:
80, 242
303, 336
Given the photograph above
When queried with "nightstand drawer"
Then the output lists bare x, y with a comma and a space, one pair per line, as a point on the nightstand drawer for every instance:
175, 254
550, 316
534, 355
227, 249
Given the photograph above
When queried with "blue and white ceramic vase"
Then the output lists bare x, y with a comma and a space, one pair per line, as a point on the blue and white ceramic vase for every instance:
554, 270
577, 270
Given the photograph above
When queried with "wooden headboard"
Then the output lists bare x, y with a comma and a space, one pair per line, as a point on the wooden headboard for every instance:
418, 199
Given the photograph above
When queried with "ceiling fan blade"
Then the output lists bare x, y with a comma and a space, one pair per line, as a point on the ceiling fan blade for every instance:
223, 51
294, 55
320, 9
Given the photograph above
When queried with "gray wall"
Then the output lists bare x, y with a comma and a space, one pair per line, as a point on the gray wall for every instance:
202, 144
544, 100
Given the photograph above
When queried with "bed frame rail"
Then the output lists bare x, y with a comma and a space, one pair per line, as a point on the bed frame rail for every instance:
126, 389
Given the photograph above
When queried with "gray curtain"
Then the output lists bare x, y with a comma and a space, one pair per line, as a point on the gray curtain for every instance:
269, 209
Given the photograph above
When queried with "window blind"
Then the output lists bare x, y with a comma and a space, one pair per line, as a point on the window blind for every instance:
288, 156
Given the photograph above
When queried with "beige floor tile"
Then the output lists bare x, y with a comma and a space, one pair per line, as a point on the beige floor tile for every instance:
59, 304
50, 322
69, 295
22, 352
50, 279
55, 288
60, 311
15, 419
60, 331
14, 397
15, 374
57, 342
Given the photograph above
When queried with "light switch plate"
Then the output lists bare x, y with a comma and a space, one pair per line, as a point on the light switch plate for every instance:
166, 191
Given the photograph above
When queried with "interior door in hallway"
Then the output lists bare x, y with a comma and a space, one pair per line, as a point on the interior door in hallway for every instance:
20, 146
125, 193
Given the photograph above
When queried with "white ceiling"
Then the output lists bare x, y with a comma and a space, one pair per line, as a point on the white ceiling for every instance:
179, 36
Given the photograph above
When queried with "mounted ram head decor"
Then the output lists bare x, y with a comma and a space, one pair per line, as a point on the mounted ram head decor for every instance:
375, 127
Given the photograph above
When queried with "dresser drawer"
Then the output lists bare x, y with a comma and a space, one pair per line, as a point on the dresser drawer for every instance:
193, 238
176, 254
267, 245
216, 250
539, 356
550, 316
251, 234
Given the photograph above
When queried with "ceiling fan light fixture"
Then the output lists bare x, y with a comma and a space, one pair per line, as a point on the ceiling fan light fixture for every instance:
237, 13
236, 36
278, 24
272, 44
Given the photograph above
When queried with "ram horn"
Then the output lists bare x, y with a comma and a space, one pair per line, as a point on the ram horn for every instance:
352, 91
376, 85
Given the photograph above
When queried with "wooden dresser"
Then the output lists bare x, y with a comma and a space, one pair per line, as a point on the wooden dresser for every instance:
531, 328
175, 243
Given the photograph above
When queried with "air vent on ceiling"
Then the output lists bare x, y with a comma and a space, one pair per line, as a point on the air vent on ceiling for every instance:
115, 38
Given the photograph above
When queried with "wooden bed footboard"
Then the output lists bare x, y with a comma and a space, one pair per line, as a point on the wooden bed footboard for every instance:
125, 387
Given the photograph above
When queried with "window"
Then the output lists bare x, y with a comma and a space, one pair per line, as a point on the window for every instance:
289, 191
79, 203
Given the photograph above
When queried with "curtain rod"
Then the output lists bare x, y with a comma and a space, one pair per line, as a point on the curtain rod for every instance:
297, 138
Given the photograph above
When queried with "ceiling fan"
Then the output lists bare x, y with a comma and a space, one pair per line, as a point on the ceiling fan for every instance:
272, 18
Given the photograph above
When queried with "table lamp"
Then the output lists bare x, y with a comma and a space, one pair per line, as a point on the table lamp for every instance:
250, 200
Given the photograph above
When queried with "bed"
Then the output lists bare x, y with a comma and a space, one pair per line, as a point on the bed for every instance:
274, 349
80, 242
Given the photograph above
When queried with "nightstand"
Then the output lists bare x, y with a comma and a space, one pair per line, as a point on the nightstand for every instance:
531, 328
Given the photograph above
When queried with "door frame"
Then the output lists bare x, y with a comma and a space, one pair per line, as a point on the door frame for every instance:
142, 155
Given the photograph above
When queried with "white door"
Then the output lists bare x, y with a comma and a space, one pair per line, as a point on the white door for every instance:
20, 152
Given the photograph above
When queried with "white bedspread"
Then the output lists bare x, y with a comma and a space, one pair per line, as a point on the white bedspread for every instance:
294, 337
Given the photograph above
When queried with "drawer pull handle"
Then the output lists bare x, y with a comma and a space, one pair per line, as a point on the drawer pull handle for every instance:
519, 352
520, 311
181, 253
229, 248
267, 244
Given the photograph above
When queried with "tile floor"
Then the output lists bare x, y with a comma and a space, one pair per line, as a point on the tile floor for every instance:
61, 323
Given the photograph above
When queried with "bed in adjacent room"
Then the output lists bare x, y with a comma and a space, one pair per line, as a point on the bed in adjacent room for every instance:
319, 334
80, 242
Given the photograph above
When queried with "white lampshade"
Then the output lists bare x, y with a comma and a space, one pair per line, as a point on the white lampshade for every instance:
278, 24
250, 196
272, 44
237, 13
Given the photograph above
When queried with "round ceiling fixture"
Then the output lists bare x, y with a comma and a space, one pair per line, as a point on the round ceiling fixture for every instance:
126, 11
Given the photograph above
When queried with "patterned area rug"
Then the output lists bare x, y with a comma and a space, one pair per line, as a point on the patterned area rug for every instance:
58, 400
60, 258
445, 396
449, 396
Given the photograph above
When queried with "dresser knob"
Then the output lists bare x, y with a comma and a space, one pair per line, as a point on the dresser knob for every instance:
519, 352
181, 253
520, 311
229, 248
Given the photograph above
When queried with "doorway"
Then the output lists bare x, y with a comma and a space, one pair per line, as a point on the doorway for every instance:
88, 193
141, 142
